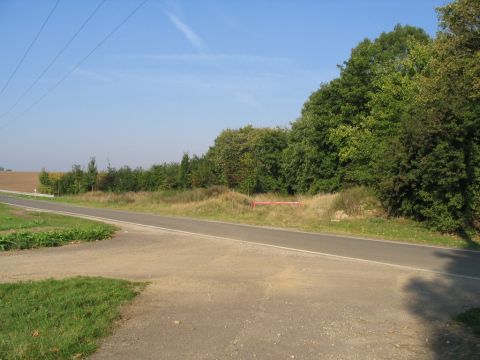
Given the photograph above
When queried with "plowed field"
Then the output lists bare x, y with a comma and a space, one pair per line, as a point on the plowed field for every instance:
19, 181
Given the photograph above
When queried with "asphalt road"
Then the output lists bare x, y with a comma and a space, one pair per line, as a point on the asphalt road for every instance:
460, 263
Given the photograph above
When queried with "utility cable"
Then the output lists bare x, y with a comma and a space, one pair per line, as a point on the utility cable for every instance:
52, 88
52, 62
29, 48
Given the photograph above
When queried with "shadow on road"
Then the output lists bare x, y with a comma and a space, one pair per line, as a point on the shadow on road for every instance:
436, 301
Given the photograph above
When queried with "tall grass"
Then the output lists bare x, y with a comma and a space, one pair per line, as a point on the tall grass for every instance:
353, 203
356, 202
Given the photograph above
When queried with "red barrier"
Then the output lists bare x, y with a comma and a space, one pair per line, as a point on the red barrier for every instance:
293, 203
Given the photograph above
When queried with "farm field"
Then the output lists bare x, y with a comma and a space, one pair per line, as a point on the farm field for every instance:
19, 181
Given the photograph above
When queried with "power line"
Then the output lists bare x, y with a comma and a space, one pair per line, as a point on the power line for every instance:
35, 103
55, 58
29, 48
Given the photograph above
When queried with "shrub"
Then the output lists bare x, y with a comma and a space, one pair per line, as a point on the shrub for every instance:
27, 239
355, 201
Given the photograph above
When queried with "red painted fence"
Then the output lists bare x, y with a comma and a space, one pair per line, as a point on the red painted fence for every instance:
292, 203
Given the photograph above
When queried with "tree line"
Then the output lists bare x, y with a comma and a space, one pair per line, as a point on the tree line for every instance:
248, 159
402, 117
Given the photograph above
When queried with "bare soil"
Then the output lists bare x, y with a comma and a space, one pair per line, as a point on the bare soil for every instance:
19, 181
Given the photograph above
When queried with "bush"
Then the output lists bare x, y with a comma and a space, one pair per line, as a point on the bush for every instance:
355, 201
27, 239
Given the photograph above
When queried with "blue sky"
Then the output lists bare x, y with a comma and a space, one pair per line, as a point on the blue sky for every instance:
173, 76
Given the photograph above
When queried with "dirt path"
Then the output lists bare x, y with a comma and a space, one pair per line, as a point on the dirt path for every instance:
219, 299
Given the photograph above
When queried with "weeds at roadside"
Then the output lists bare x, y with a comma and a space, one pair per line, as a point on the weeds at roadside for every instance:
26, 240
21, 229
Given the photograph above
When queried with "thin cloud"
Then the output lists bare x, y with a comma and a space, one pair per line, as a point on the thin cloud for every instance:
246, 98
191, 36
215, 57
94, 75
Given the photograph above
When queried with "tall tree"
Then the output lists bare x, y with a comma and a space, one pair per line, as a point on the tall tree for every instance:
184, 180
434, 173
246, 152
311, 161
330, 145
91, 174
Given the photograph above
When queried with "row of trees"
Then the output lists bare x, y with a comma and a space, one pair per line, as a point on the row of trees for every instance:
403, 117
158, 177
248, 159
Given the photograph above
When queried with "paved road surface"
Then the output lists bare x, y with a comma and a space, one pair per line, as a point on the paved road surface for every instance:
450, 261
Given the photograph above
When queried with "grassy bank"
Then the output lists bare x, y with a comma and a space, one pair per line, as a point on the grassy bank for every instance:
22, 229
59, 319
355, 212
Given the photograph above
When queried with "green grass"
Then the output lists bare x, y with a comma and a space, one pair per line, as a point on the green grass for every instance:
471, 318
354, 212
21, 229
59, 319
399, 229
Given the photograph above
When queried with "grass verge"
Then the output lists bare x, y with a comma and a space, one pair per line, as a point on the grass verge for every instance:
21, 229
352, 212
471, 319
59, 319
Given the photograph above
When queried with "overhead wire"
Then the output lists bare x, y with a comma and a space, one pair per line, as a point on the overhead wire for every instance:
34, 40
99, 44
53, 61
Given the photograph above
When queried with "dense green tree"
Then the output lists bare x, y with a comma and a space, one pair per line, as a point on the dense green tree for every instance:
311, 160
91, 174
455, 93
45, 181
202, 172
153, 179
249, 182
78, 179
170, 177
330, 144
433, 171
125, 180
106, 180
184, 180
226, 154
239, 156
267, 151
